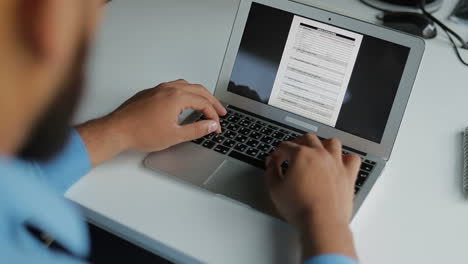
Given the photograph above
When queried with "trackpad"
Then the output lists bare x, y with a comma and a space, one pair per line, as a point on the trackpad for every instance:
240, 182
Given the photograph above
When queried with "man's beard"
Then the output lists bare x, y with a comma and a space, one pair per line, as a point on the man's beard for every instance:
49, 136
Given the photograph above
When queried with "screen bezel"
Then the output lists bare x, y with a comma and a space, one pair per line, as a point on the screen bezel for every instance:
382, 149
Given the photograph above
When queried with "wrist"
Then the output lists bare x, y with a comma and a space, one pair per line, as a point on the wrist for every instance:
116, 129
103, 138
326, 234
319, 217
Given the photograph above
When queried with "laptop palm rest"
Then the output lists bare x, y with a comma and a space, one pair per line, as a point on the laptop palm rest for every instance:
214, 172
186, 161
240, 182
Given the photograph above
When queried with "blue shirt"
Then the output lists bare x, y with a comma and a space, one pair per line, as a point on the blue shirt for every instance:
32, 194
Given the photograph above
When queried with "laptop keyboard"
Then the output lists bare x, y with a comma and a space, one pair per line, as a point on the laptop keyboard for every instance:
252, 140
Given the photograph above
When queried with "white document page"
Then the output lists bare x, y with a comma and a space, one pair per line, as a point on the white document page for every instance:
315, 70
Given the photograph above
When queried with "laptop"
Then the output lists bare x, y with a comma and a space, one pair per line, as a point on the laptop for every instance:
291, 69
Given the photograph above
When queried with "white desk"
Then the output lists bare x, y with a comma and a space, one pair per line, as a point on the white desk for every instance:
414, 214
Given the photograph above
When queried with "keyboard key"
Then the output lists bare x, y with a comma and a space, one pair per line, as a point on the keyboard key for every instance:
294, 135
233, 127
360, 181
272, 127
256, 127
230, 134
267, 139
225, 116
247, 159
210, 136
278, 135
233, 119
256, 135
209, 144
244, 131
252, 152
262, 155
266, 131
245, 123
370, 162
218, 139
273, 149
261, 123
198, 141
223, 123
240, 147
252, 143
283, 131
241, 138
229, 143
251, 119
366, 167
363, 174
275, 143
221, 149
288, 138
238, 114
263, 147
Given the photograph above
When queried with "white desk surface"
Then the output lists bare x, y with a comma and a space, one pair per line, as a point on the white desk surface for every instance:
414, 214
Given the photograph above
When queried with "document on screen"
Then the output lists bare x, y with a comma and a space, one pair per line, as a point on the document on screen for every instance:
315, 70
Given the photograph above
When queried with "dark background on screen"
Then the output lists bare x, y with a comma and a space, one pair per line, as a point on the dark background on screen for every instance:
372, 88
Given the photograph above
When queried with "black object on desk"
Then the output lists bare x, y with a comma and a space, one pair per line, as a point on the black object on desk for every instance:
108, 248
409, 22
403, 5
460, 13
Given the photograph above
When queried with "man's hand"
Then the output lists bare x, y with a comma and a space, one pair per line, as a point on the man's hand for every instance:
149, 121
316, 192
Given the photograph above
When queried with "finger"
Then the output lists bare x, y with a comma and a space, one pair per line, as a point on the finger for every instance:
287, 151
202, 91
199, 103
272, 174
179, 81
172, 83
353, 163
309, 140
333, 146
198, 129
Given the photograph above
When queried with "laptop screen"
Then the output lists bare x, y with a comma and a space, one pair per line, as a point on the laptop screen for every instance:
331, 75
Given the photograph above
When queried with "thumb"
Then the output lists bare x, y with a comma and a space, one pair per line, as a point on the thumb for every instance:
198, 129
353, 163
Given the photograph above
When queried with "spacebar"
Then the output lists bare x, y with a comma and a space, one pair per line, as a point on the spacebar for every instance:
252, 161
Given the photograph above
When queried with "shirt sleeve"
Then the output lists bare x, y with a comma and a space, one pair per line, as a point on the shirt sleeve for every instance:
67, 167
331, 259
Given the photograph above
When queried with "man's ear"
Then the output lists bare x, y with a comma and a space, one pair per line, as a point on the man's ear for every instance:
50, 27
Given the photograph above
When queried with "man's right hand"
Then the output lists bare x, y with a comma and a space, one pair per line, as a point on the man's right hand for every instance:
316, 192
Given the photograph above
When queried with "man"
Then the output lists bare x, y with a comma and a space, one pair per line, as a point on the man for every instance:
43, 46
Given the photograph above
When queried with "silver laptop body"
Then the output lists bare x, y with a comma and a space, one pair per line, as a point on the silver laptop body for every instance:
291, 69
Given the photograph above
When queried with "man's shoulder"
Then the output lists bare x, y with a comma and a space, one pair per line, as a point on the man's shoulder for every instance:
20, 184
26, 198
